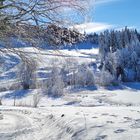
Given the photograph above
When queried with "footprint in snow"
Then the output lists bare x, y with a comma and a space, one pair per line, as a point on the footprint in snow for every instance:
110, 122
137, 120
105, 114
136, 124
97, 126
102, 137
94, 117
127, 121
119, 131
114, 115
127, 118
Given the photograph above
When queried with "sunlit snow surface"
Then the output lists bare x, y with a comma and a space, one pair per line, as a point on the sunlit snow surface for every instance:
95, 113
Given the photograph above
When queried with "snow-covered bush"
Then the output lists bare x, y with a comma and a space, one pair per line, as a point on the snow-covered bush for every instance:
75, 74
36, 99
106, 78
84, 76
55, 84
68, 71
27, 73
127, 59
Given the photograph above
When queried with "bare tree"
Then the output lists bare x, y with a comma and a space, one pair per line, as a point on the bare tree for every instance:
38, 11
27, 19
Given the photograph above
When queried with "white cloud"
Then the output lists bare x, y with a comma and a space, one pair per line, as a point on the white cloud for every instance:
92, 27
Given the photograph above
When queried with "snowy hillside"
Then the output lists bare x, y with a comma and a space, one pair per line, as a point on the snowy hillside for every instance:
69, 70
82, 113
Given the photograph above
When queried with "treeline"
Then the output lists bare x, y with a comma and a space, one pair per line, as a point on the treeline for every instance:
120, 54
115, 37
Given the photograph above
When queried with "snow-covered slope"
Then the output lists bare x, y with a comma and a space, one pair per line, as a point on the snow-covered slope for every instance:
94, 113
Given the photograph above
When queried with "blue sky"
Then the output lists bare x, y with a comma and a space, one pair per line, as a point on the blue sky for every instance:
117, 13
114, 14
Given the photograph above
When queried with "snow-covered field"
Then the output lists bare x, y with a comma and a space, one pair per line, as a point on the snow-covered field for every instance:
66, 123
94, 113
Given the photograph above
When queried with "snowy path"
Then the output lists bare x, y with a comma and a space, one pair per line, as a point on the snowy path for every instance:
14, 123
21, 124
70, 123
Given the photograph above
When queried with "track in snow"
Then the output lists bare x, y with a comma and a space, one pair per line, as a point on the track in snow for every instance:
20, 124
13, 124
77, 123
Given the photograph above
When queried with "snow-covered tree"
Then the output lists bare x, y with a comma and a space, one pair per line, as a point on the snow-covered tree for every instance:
55, 84
113, 41
84, 76
102, 47
27, 73
106, 78
124, 55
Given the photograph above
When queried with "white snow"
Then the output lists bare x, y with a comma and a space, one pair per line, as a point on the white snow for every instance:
94, 113
70, 123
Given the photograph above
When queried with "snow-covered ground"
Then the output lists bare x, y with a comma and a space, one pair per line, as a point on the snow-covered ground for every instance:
95, 113
70, 123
